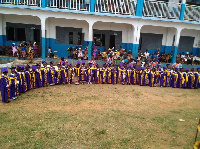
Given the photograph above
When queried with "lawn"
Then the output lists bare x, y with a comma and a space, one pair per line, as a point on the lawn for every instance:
101, 116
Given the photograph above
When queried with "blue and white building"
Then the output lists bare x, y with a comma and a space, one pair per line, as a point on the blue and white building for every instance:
170, 25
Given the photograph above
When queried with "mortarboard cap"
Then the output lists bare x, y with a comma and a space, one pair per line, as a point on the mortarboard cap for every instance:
78, 62
198, 69
167, 65
34, 67
22, 67
44, 62
83, 61
51, 63
5, 69
186, 69
27, 66
13, 68
192, 69
164, 68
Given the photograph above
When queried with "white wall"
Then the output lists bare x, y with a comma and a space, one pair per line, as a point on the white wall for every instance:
156, 30
53, 22
19, 19
127, 30
192, 33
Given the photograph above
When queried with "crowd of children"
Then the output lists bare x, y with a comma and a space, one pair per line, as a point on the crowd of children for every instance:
23, 78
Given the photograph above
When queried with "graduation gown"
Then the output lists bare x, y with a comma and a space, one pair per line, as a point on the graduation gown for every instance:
28, 79
4, 90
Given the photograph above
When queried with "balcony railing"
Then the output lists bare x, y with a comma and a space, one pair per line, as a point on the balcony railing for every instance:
151, 8
161, 9
22, 2
69, 4
125, 7
192, 13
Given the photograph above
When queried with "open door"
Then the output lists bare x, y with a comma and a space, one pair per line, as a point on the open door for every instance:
112, 41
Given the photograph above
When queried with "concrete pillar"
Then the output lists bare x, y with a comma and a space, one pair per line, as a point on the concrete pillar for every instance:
176, 43
139, 8
90, 39
182, 10
136, 39
43, 38
1, 30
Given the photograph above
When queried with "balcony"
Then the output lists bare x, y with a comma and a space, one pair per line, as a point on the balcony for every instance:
151, 8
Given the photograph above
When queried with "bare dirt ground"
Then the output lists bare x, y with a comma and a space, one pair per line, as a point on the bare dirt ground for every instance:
101, 116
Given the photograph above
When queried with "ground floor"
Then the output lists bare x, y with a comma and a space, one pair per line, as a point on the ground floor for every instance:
61, 34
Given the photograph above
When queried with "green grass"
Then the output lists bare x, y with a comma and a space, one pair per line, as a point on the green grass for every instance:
74, 119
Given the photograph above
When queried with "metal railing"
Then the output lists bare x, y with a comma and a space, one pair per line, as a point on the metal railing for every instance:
161, 9
69, 4
22, 2
125, 7
192, 13
151, 8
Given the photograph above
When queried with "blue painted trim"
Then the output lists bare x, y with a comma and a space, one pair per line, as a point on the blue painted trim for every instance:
43, 48
92, 5
95, 13
175, 50
135, 50
195, 51
139, 8
44, 3
182, 12
1, 40
89, 49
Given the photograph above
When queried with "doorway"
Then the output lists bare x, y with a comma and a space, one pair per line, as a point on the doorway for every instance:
112, 41
36, 35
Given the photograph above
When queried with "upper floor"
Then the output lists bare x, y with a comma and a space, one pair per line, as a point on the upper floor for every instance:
173, 10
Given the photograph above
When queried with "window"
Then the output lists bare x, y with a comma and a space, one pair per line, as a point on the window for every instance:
21, 36
10, 33
70, 37
79, 38
99, 39
103, 39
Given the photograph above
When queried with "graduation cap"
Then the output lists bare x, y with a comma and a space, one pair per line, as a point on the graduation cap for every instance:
176, 68
83, 61
12, 68
5, 69
142, 68
198, 69
22, 67
97, 64
164, 67
27, 66
51, 63
37, 65
138, 67
69, 64
44, 62
167, 65
186, 69
78, 62
181, 69
192, 69
129, 65
34, 66
104, 65
18, 66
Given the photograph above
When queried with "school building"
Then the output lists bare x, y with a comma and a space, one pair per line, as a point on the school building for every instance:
170, 25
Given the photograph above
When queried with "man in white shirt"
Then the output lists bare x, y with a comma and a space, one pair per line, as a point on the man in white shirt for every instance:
146, 54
